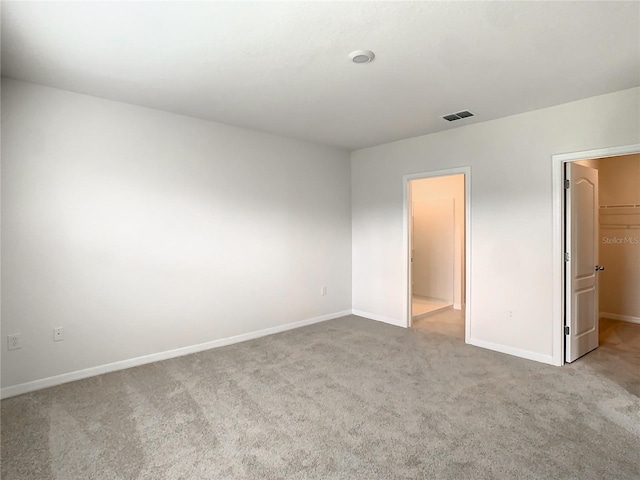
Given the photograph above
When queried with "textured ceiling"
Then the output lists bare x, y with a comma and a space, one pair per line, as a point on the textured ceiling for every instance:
284, 68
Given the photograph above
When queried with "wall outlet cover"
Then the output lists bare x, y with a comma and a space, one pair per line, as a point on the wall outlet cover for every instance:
58, 334
13, 341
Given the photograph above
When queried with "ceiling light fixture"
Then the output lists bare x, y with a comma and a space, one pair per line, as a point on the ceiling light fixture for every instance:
362, 56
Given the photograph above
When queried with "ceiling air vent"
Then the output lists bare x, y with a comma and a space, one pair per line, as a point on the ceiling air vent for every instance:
457, 116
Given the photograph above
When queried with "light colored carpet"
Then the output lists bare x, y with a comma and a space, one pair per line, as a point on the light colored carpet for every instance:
345, 399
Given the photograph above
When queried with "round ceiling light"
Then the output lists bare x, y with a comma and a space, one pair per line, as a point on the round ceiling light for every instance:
362, 56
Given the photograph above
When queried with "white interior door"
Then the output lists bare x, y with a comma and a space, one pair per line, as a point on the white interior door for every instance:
581, 261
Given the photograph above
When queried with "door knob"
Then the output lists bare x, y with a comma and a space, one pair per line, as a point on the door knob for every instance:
599, 268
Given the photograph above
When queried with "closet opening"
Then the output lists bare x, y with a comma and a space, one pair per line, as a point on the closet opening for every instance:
597, 252
617, 255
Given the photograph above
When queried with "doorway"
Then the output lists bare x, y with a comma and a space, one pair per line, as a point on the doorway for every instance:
437, 251
578, 306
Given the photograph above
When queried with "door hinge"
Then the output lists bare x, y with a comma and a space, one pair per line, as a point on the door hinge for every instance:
566, 256
567, 183
567, 330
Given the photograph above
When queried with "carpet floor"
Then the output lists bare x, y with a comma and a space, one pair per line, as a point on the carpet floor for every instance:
345, 399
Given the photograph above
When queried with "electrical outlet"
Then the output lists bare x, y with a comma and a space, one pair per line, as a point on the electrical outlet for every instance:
58, 334
323, 291
13, 341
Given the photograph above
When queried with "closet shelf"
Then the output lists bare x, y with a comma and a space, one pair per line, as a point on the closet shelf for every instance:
620, 216
621, 205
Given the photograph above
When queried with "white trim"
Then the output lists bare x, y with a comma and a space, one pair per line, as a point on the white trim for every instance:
406, 240
617, 316
380, 318
557, 167
516, 352
598, 153
14, 390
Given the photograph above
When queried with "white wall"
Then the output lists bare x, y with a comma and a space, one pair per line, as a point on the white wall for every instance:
141, 231
428, 191
511, 213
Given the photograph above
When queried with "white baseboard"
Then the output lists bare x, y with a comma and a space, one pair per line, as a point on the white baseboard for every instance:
457, 306
516, 352
27, 387
380, 318
624, 318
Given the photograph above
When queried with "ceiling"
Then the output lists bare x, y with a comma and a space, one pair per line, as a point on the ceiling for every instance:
284, 67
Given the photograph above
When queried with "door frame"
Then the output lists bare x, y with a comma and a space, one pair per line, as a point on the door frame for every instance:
406, 243
559, 234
